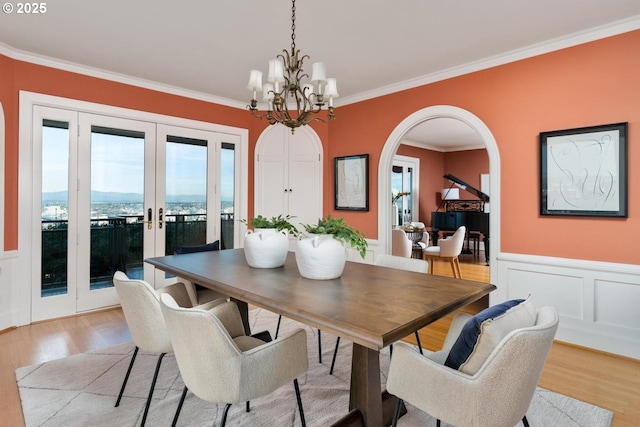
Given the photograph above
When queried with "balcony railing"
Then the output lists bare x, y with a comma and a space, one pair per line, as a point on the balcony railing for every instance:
116, 244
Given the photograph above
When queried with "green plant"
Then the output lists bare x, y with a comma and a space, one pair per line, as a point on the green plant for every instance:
341, 232
278, 222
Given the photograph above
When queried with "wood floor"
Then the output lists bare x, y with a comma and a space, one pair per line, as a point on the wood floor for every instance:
605, 380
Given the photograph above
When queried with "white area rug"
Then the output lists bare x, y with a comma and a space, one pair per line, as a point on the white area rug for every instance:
81, 390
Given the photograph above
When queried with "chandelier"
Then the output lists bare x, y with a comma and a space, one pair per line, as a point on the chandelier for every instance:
285, 88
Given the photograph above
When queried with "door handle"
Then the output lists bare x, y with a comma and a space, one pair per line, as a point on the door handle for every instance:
160, 217
149, 219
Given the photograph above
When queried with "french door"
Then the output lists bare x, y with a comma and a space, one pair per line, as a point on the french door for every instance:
111, 193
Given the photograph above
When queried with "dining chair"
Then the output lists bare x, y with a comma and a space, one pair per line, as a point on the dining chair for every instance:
141, 307
219, 363
496, 389
401, 245
447, 249
196, 292
400, 263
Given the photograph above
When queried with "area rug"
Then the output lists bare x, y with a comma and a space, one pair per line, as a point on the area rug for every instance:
81, 390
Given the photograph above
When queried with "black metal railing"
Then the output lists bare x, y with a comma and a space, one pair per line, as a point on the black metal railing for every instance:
116, 244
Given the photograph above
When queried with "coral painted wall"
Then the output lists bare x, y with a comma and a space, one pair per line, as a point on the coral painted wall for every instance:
591, 84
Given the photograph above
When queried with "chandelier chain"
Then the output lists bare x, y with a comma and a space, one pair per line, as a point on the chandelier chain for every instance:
293, 26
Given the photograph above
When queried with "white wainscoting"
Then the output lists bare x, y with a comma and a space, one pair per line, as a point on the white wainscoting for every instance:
598, 302
9, 290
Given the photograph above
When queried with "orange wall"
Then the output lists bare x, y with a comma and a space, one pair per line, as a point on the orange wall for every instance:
591, 84
17, 75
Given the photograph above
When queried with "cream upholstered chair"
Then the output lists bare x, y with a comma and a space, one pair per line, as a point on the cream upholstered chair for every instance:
498, 393
198, 294
400, 243
447, 249
219, 363
141, 307
424, 242
400, 263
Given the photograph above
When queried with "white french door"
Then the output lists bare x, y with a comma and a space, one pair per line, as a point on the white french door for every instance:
109, 192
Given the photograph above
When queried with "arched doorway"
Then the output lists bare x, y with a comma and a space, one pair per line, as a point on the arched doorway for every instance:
386, 162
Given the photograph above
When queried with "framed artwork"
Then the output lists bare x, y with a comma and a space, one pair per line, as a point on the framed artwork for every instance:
583, 171
352, 183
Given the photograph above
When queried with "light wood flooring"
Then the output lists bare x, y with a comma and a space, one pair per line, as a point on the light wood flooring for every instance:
605, 380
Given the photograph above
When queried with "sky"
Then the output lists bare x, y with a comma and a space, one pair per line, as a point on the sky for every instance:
117, 165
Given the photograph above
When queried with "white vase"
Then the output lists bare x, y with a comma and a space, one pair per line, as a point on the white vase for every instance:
266, 247
320, 257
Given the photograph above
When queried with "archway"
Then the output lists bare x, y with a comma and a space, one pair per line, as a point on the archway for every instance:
386, 162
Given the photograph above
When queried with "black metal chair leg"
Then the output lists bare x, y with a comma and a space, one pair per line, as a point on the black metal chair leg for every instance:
419, 344
278, 327
396, 413
153, 386
438, 423
295, 384
319, 347
248, 409
224, 414
179, 408
525, 421
126, 377
335, 353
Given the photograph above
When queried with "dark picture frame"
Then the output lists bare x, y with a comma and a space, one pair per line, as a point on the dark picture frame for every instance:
351, 183
583, 171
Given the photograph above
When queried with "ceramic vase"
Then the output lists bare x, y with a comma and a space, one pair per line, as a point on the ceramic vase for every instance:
266, 247
320, 257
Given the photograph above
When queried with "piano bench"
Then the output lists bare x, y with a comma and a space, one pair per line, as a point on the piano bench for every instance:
475, 236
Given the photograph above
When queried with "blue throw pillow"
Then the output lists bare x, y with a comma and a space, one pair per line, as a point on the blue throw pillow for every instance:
179, 250
482, 333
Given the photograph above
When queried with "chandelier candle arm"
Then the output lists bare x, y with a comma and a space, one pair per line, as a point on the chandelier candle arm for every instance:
286, 88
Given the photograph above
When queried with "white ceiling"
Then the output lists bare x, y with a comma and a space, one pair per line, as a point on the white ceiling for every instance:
206, 48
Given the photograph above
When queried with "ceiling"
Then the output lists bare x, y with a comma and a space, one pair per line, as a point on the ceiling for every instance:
205, 48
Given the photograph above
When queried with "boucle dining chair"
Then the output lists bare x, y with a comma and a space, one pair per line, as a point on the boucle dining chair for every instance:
400, 263
197, 293
141, 307
400, 243
219, 363
495, 390
447, 249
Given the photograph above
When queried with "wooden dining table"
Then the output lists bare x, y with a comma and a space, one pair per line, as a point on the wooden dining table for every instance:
370, 306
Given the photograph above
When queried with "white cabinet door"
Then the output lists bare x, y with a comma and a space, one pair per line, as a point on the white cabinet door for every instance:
289, 174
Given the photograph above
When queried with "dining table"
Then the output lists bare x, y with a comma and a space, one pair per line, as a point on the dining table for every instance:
369, 305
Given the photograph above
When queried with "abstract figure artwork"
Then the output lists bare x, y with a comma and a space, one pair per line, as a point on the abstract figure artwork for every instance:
583, 172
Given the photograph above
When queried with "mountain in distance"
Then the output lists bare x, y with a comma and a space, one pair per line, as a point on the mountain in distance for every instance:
113, 197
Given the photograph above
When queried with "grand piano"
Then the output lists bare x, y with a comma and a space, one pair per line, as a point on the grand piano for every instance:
469, 213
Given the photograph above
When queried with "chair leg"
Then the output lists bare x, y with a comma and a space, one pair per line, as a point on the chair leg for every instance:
418, 341
299, 399
179, 408
278, 326
396, 413
153, 386
126, 377
319, 346
525, 421
248, 408
335, 353
224, 414
437, 423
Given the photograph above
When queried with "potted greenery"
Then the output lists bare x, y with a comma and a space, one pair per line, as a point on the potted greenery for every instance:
266, 246
322, 254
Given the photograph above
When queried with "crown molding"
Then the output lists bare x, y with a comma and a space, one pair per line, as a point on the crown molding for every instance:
592, 34
596, 33
45, 61
440, 149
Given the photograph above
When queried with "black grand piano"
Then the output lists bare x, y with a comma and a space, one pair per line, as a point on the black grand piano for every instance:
456, 213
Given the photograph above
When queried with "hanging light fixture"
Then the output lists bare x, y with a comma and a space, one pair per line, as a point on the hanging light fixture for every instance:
285, 88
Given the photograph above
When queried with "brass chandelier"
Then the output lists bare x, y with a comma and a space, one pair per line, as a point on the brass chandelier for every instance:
285, 88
